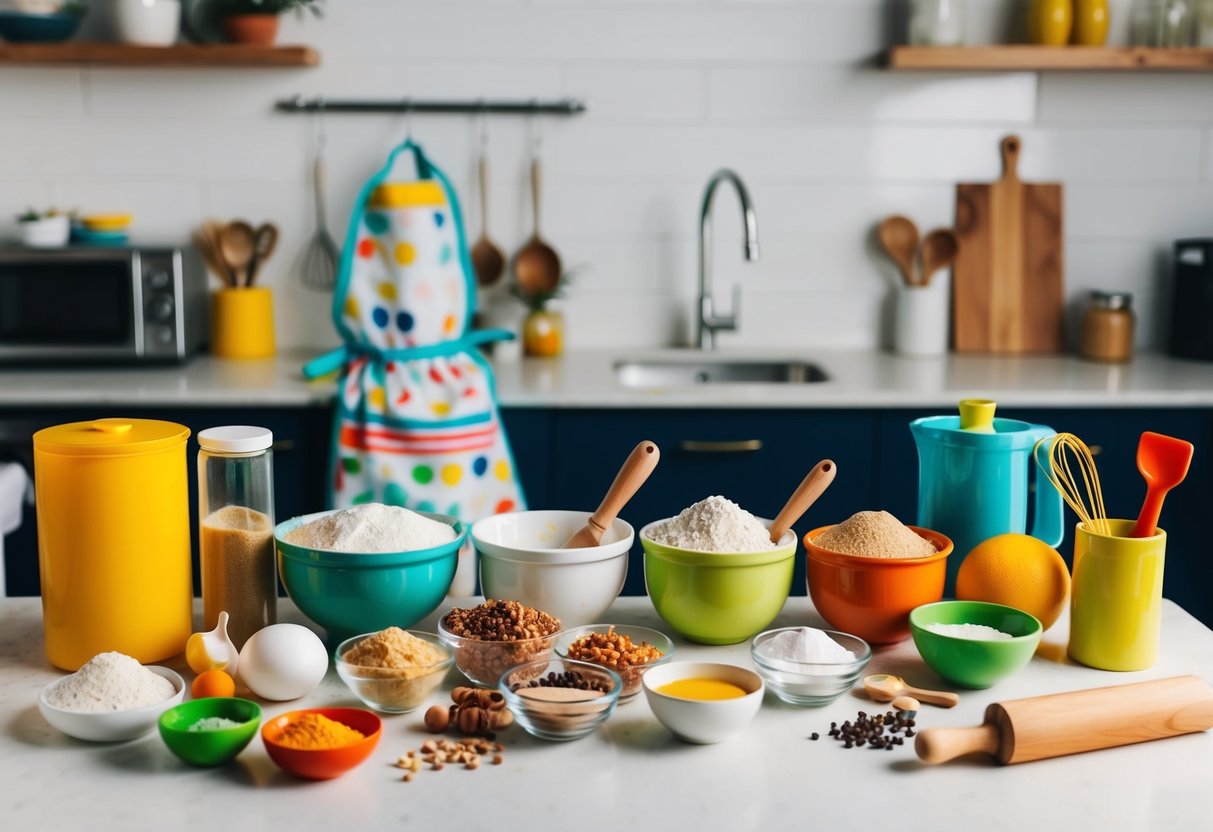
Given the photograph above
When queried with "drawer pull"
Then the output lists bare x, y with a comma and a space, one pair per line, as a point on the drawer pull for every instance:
736, 446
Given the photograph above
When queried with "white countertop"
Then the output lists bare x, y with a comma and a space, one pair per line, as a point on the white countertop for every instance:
860, 379
631, 773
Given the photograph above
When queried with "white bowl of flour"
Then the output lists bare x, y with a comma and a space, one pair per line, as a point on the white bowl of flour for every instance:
104, 700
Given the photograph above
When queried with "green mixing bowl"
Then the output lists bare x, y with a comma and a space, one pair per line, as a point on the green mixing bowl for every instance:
210, 748
718, 597
974, 663
349, 593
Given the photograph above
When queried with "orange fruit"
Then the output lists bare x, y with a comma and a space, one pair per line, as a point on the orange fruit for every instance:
213, 683
1019, 571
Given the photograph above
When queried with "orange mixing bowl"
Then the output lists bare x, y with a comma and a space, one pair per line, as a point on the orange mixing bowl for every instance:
322, 763
872, 597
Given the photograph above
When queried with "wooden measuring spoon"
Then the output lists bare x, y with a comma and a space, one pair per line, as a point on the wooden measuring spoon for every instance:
810, 488
1163, 461
885, 688
536, 265
939, 250
264, 243
487, 259
899, 236
636, 469
237, 244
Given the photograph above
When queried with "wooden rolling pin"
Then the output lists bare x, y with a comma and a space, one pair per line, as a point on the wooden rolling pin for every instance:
1083, 720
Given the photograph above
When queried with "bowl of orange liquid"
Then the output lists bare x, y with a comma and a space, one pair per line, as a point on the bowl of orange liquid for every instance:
703, 702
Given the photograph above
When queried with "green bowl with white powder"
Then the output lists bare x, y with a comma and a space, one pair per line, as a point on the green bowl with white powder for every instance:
348, 593
212, 731
974, 644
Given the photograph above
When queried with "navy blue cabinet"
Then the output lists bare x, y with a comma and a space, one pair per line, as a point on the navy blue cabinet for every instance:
755, 458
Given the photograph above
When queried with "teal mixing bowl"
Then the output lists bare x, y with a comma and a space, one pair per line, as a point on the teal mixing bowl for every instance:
348, 593
718, 597
974, 663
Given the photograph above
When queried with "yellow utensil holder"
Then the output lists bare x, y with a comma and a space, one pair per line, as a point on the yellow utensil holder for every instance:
242, 323
1116, 597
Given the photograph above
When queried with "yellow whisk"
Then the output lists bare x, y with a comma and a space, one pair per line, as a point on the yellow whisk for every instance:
1069, 466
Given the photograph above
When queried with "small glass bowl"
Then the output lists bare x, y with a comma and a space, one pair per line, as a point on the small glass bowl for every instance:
563, 720
631, 675
810, 683
391, 690
483, 662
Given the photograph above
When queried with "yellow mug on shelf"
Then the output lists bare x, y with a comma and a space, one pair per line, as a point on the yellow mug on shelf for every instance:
242, 323
1116, 597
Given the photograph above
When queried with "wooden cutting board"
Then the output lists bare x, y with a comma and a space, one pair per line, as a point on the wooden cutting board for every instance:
1007, 293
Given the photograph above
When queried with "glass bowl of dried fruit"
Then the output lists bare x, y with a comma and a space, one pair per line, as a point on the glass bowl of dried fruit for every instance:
560, 699
490, 638
625, 649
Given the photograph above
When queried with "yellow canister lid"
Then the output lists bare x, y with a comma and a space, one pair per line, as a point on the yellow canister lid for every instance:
110, 437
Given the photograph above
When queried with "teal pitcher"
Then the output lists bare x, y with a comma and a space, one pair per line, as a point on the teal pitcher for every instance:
973, 479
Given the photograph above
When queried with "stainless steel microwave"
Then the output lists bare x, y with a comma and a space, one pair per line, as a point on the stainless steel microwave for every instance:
101, 305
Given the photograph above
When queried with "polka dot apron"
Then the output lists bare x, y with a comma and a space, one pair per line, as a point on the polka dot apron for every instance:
417, 420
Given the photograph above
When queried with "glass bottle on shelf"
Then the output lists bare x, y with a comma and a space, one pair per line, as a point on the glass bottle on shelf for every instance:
936, 22
1204, 23
236, 529
1174, 24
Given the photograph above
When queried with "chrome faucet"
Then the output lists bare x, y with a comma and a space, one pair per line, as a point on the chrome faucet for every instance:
708, 322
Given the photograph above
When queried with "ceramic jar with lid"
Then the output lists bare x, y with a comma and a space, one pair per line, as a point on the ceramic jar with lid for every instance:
1107, 328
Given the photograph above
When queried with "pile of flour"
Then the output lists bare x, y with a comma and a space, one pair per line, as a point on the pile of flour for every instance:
110, 682
714, 525
372, 528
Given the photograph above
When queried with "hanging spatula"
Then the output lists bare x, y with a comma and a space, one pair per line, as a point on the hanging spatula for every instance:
636, 469
1163, 461
810, 488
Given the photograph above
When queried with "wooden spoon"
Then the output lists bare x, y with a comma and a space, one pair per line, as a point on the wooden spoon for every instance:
211, 232
885, 688
487, 259
899, 236
939, 250
810, 488
536, 265
264, 243
636, 469
237, 243
1163, 461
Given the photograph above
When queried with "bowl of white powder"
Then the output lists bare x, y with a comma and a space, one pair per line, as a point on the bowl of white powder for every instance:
713, 573
369, 567
521, 558
110, 699
974, 644
805, 666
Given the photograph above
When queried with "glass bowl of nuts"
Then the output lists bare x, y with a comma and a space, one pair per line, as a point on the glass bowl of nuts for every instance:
393, 670
490, 638
626, 649
560, 699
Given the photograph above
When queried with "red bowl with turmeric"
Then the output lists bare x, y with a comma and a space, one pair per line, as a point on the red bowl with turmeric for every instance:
322, 762
872, 597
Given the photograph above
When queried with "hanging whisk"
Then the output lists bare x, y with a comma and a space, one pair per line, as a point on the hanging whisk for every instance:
1069, 466
321, 257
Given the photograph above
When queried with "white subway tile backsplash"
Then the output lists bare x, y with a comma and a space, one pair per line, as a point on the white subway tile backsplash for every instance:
645, 92
1141, 212
39, 92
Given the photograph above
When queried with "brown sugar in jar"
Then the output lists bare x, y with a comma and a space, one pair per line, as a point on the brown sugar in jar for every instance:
1107, 328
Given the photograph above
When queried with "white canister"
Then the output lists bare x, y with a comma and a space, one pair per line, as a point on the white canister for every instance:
147, 22
920, 317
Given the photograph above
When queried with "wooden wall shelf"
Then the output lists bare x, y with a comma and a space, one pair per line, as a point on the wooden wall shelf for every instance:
182, 55
1025, 58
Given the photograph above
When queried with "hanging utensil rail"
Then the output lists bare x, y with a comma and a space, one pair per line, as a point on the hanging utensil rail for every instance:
561, 107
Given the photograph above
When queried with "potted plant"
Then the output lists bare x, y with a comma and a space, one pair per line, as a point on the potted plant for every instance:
543, 328
44, 229
256, 21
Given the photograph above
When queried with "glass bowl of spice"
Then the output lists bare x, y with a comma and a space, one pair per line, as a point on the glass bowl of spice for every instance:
806, 666
627, 650
321, 743
560, 699
211, 731
393, 670
490, 638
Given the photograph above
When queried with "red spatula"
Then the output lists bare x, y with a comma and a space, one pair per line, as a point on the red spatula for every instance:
1163, 461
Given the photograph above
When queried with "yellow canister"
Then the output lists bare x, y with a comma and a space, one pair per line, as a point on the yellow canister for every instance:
113, 539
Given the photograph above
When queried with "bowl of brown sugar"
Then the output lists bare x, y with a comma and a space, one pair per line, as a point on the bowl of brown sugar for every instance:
868, 572
393, 670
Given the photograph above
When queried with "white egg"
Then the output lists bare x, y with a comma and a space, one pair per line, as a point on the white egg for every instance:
283, 661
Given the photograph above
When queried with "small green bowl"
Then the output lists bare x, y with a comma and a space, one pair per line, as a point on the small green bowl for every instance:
974, 663
210, 748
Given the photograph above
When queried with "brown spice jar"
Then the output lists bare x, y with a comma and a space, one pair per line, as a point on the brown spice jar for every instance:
1107, 328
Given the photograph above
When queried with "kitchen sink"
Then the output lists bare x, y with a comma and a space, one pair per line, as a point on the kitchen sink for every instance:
690, 372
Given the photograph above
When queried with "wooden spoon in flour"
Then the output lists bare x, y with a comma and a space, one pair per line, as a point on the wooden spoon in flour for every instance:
636, 469
810, 488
